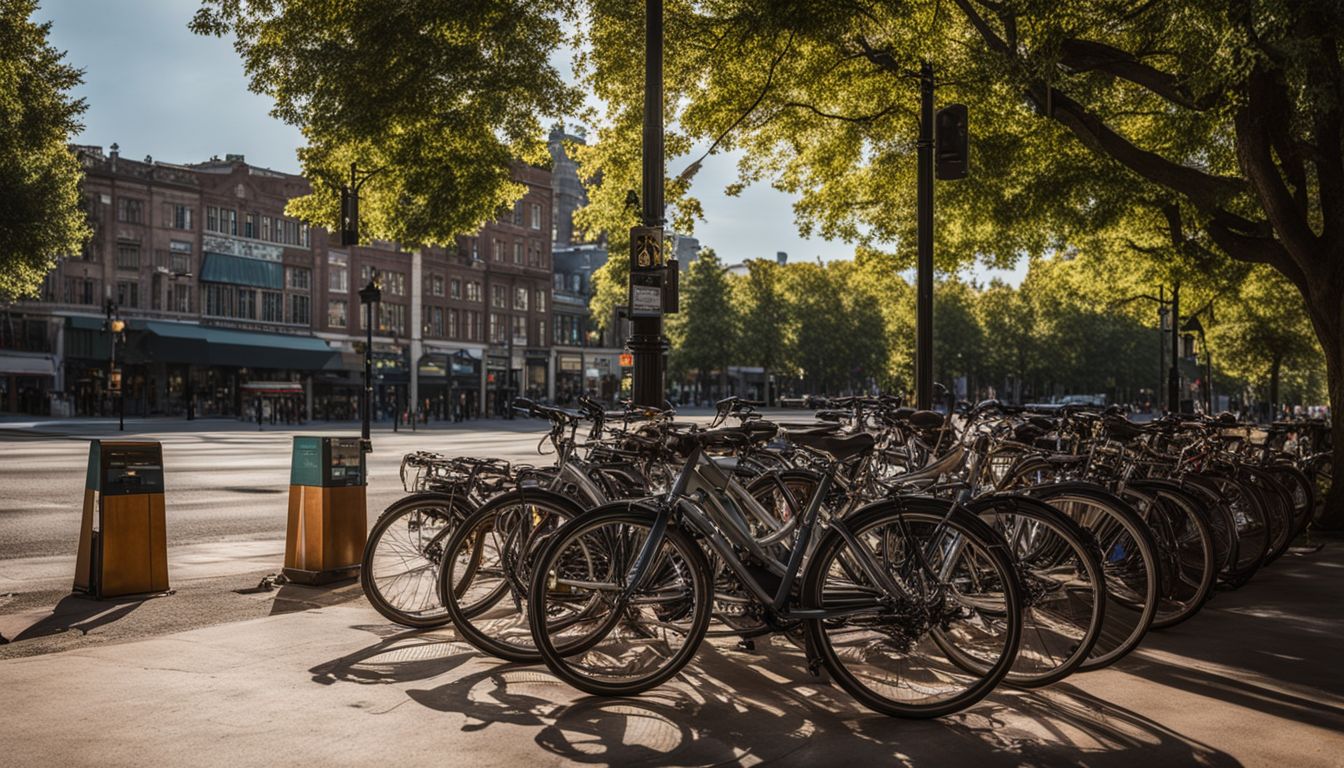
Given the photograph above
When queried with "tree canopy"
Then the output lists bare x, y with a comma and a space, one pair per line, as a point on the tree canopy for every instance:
440, 99
41, 217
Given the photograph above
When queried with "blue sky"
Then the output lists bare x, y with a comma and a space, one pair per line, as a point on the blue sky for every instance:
156, 89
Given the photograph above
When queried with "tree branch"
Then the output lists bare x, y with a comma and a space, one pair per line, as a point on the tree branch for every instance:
1089, 55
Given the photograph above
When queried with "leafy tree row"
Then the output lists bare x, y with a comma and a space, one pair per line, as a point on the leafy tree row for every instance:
1070, 327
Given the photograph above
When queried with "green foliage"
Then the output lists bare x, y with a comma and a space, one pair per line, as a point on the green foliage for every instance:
40, 213
704, 333
439, 98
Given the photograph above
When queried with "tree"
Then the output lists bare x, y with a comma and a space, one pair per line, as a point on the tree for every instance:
440, 99
763, 331
1010, 346
704, 333
1222, 122
41, 216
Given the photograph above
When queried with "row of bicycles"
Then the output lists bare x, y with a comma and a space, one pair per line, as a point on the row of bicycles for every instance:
919, 560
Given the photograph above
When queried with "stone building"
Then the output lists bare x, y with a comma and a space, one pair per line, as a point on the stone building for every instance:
230, 305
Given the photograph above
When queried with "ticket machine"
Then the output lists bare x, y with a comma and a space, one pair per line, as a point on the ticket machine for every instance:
123, 548
328, 520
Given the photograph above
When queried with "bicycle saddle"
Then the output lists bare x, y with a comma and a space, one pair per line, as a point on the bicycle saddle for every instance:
838, 447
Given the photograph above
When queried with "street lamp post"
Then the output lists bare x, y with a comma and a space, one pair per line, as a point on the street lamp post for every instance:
368, 296
646, 337
115, 327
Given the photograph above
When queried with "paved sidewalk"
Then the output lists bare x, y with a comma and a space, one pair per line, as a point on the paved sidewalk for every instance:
1255, 680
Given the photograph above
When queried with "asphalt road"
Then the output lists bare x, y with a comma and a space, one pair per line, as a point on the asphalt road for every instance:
224, 480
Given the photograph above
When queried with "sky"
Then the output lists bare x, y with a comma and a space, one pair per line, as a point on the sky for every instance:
156, 89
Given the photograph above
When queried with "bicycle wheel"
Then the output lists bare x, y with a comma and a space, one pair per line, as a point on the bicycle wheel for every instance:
1302, 492
1128, 559
1063, 587
399, 569
950, 583
509, 532
1246, 507
1278, 504
596, 634
1185, 547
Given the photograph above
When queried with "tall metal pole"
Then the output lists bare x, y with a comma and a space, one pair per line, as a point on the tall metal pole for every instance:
924, 263
1174, 375
367, 394
646, 338
1161, 346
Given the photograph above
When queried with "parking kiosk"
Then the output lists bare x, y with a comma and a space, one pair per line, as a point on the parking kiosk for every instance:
123, 548
328, 522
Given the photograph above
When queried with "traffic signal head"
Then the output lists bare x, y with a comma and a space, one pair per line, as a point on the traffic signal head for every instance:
349, 217
951, 143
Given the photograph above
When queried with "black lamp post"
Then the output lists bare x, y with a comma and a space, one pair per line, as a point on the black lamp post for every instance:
368, 296
115, 327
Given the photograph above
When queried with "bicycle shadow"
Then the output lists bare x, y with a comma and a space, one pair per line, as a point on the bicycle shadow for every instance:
728, 707
400, 656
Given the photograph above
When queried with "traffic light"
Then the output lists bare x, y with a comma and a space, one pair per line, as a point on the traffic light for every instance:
951, 143
349, 216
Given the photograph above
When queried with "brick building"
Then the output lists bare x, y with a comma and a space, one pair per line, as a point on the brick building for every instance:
230, 304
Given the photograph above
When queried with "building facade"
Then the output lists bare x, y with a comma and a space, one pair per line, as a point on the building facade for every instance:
232, 308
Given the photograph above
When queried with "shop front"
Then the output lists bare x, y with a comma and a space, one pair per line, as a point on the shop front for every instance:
568, 377
536, 364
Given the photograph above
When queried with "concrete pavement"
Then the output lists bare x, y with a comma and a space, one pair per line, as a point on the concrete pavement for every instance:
1255, 680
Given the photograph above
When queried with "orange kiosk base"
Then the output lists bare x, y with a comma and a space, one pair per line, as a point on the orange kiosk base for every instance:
328, 518
123, 548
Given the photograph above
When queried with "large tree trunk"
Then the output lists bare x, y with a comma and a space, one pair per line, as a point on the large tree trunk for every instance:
1327, 315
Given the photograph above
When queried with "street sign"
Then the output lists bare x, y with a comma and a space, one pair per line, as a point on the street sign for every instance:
646, 271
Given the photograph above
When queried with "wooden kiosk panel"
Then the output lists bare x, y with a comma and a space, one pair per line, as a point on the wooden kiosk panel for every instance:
328, 518
123, 547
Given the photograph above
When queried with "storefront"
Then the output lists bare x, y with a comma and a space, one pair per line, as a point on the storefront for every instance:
568, 376
536, 364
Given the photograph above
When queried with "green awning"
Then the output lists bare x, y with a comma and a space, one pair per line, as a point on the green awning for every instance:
202, 345
236, 270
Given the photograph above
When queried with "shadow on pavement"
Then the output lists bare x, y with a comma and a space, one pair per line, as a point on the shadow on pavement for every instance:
80, 614
728, 707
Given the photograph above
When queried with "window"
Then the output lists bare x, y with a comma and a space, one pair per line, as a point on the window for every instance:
576, 283
304, 236
559, 281
218, 300
129, 210
541, 301
298, 278
520, 299
474, 326
177, 216
475, 251
392, 318
265, 227
221, 220
250, 225
128, 295
454, 323
534, 254
338, 273
474, 291
496, 327
517, 253
436, 285
394, 283
247, 303
556, 336
499, 250
128, 257
499, 296
179, 254
336, 312
455, 288
536, 216
300, 312
434, 321
272, 306
518, 214
181, 300
541, 332
520, 330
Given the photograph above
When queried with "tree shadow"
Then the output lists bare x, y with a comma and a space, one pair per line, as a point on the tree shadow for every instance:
80, 614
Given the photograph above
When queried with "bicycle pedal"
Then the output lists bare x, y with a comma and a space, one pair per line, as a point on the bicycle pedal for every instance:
746, 644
